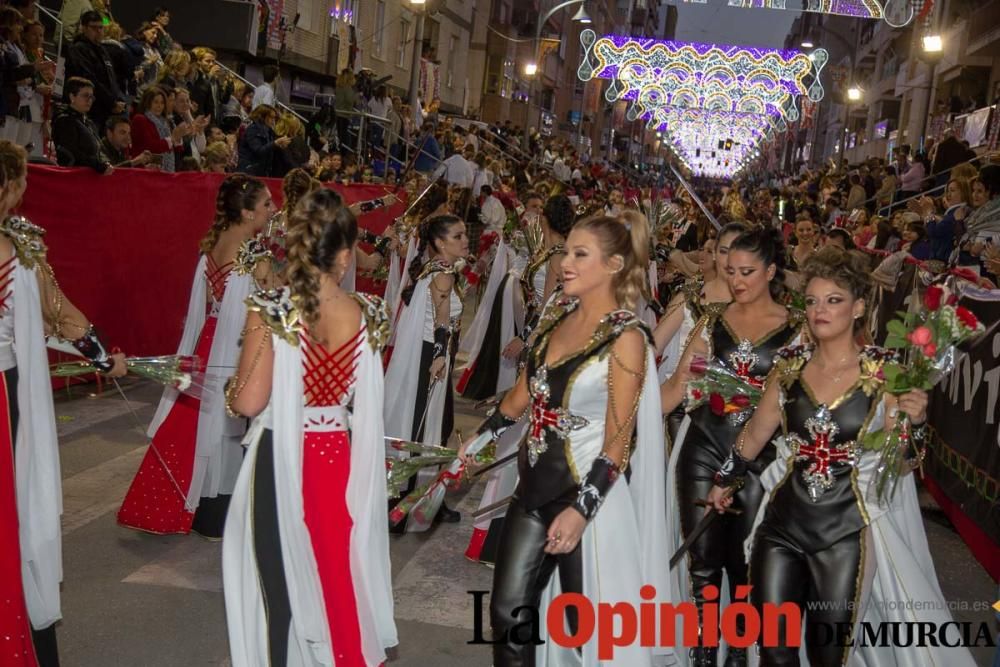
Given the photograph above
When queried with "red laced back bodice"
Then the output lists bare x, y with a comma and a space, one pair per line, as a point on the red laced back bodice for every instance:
328, 376
6, 278
217, 276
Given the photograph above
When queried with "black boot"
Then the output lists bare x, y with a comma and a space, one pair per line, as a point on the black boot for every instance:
447, 515
735, 657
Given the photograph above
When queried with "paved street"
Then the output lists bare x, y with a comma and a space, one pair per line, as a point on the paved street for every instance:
138, 600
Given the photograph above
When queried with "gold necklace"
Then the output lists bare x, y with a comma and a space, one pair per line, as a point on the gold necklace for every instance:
842, 369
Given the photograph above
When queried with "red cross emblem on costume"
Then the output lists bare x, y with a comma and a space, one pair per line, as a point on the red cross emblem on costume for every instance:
821, 453
544, 418
743, 360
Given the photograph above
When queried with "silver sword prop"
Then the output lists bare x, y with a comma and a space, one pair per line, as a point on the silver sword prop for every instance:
696, 198
152, 446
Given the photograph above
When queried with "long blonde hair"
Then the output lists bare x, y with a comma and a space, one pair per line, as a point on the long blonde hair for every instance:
628, 237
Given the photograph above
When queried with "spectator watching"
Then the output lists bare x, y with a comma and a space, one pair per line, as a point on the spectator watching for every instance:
77, 141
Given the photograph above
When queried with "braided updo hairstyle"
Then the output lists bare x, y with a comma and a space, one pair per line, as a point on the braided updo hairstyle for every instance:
430, 230
849, 269
320, 227
237, 193
768, 245
296, 185
627, 237
13, 162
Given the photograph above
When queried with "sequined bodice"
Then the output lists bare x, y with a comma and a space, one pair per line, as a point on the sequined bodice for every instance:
748, 359
819, 500
567, 410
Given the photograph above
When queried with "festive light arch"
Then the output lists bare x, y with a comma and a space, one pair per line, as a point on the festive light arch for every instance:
896, 13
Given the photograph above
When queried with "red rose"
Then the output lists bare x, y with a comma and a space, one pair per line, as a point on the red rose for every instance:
696, 394
396, 515
920, 336
932, 297
930, 349
952, 299
967, 317
717, 404
740, 401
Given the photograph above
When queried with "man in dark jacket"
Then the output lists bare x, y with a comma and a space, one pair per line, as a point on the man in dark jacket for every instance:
256, 149
78, 143
87, 59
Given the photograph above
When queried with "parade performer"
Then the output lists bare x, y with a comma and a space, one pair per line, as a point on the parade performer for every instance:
32, 306
419, 404
306, 554
743, 337
541, 277
590, 392
499, 318
688, 305
187, 476
821, 535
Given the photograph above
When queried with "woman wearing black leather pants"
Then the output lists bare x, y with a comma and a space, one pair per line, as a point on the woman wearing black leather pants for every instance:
589, 390
744, 336
824, 537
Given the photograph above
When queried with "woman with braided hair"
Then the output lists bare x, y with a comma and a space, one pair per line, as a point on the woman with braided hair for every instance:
587, 514
419, 393
306, 548
744, 336
32, 306
188, 473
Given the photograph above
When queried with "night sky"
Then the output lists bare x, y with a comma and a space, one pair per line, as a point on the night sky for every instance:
718, 23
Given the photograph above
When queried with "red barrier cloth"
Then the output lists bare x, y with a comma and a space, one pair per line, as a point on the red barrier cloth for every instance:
124, 247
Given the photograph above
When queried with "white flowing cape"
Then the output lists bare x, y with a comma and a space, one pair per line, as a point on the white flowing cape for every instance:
36, 472
472, 341
630, 522
403, 375
309, 644
217, 454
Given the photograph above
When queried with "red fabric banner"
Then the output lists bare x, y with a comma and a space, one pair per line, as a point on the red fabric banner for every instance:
124, 247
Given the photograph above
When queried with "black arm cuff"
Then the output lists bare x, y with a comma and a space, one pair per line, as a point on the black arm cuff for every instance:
732, 472
442, 337
369, 206
90, 346
600, 479
382, 246
496, 423
662, 252
367, 236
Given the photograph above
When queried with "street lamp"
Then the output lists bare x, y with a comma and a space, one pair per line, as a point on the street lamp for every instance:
807, 43
581, 16
932, 52
854, 94
932, 44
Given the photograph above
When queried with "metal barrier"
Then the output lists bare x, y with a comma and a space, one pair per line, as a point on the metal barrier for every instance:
57, 32
278, 103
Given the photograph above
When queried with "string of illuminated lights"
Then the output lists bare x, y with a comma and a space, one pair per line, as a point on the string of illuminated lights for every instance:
896, 13
713, 104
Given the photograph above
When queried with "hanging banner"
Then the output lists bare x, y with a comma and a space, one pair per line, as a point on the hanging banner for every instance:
963, 463
976, 127
275, 12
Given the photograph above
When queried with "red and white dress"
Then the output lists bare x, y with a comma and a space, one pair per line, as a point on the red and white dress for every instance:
195, 451
30, 483
306, 553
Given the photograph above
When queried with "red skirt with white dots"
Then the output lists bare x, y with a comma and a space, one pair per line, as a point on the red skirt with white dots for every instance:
326, 468
16, 648
156, 501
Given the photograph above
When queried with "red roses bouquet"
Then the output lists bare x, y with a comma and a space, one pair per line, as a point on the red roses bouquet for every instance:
184, 373
927, 340
725, 392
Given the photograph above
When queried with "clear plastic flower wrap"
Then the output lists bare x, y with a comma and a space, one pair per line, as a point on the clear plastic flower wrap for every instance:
185, 373
727, 393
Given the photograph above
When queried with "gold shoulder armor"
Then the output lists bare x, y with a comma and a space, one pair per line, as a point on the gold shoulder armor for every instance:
27, 240
376, 315
279, 312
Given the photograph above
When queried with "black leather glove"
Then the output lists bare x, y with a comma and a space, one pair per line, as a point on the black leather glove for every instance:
602, 476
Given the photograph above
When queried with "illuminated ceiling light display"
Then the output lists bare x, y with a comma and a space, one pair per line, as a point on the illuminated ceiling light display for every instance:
713, 103
711, 76
896, 13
